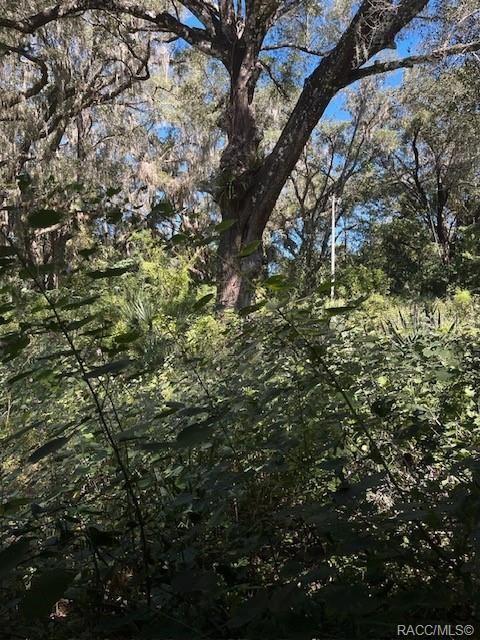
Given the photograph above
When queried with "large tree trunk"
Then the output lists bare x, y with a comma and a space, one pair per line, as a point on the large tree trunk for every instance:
237, 275
238, 164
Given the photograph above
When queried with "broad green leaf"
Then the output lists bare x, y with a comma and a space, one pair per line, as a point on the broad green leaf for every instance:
277, 283
225, 225
48, 448
5, 308
12, 344
34, 270
179, 238
81, 303
21, 376
189, 582
111, 272
194, 435
128, 434
128, 337
113, 191
249, 249
46, 590
44, 218
110, 368
336, 311
153, 447
87, 252
203, 301
251, 308
114, 216
20, 432
101, 538
78, 324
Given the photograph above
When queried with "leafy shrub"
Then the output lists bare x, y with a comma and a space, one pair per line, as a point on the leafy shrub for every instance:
307, 471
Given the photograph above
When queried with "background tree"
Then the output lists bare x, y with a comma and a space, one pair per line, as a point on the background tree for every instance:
251, 176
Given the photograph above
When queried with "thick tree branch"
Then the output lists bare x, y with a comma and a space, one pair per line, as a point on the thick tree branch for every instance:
373, 28
410, 61
163, 21
297, 47
205, 12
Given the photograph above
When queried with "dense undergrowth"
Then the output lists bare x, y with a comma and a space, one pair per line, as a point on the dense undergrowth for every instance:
306, 470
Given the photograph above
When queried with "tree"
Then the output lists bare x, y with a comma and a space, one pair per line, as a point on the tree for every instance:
251, 177
431, 173
338, 160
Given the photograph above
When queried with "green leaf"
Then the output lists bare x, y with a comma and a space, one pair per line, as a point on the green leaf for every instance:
5, 308
110, 368
44, 218
46, 590
336, 311
194, 435
111, 272
324, 287
12, 344
164, 208
225, 225
46, 449
277, 283
77, 324
87, 252
127, 337
179, 238
81, 303
13, 555
114, 216
20, 432
251, 308
101, 538
21, 376
189, 581
113, 191
201, 302
249, 249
